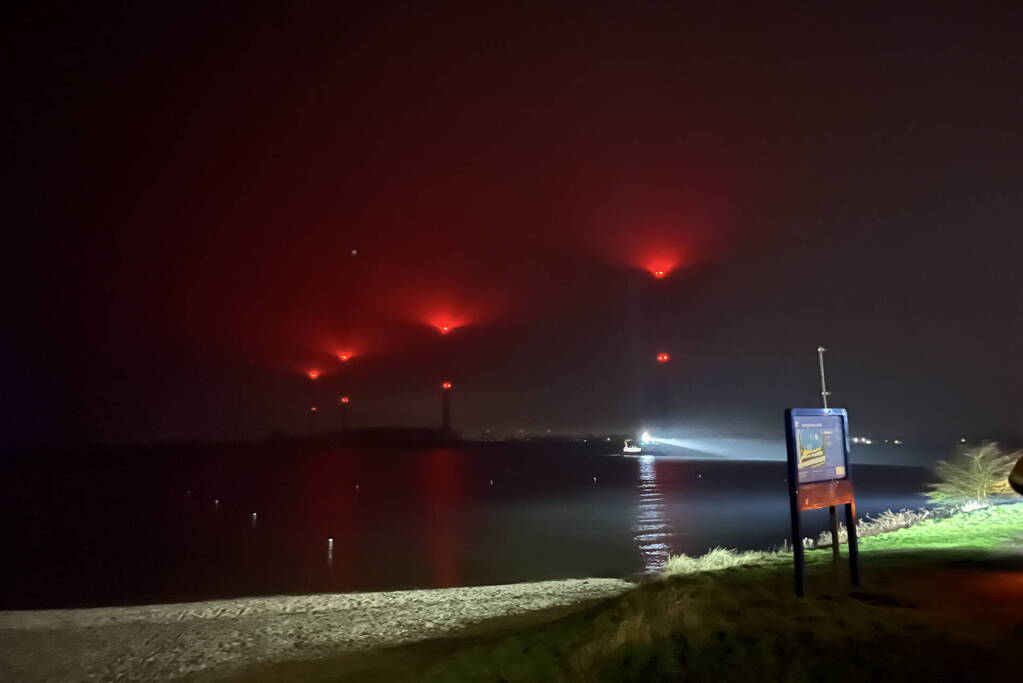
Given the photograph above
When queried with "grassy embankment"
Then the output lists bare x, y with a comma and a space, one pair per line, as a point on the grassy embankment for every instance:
942, 600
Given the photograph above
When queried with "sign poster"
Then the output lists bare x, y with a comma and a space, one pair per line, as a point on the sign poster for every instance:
820, 447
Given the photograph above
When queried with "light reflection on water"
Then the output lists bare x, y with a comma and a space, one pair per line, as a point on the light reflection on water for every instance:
650, 528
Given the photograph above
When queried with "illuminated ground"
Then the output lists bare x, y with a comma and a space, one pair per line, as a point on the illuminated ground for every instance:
213, 639
941, 601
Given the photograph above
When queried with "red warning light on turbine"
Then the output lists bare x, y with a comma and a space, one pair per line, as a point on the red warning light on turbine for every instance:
312, 374
345, 400
446, 386
663, 357
445, 323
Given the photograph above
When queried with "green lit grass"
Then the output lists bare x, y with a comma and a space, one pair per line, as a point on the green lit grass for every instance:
988, 528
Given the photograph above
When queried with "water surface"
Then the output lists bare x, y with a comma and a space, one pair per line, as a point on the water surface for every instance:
141, 525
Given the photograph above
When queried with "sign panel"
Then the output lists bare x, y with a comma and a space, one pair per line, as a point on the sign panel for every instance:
819, 444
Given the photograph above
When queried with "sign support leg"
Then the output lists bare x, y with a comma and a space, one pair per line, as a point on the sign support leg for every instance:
797, 547
854, 551
835, 548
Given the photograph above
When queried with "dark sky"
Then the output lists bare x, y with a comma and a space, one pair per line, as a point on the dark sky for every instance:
190, 182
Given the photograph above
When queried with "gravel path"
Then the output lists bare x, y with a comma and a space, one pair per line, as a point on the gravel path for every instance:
208, 639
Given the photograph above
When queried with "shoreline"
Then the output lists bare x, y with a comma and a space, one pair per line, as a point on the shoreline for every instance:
203, 640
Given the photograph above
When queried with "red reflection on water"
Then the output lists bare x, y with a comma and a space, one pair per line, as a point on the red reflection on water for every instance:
442, 473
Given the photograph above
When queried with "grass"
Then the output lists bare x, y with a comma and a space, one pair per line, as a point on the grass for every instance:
720, 558
731, 616
986, 528
884, 523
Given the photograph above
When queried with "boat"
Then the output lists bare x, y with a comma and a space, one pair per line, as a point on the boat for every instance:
630, 449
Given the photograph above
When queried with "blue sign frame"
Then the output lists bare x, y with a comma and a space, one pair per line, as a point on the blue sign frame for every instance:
793, 447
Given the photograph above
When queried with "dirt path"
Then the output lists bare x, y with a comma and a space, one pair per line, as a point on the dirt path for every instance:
210, 639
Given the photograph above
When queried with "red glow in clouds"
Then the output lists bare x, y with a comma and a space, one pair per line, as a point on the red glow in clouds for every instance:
313, 374
445, 386
663, 357
661, 264
445, 324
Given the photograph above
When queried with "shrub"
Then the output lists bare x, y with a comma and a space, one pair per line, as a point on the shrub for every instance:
975, 474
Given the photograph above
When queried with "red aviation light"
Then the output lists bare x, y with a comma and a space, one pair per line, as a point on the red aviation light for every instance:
313, 409
313, 374
445, 323
663, 357
446, 386
345, 400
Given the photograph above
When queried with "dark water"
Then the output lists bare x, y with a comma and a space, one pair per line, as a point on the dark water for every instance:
176, 524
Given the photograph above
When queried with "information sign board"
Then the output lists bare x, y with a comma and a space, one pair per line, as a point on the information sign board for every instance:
818, 464
821, 445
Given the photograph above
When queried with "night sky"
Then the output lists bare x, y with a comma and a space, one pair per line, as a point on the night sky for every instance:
190, 182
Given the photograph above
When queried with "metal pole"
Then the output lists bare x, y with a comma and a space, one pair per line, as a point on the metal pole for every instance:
824, 387
832, 512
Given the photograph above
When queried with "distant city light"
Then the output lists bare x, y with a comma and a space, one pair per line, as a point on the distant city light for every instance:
444, 329
344, 356
445, 386
663, 357
897, 442
962, 440
313, 409
659, 273
313, 374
